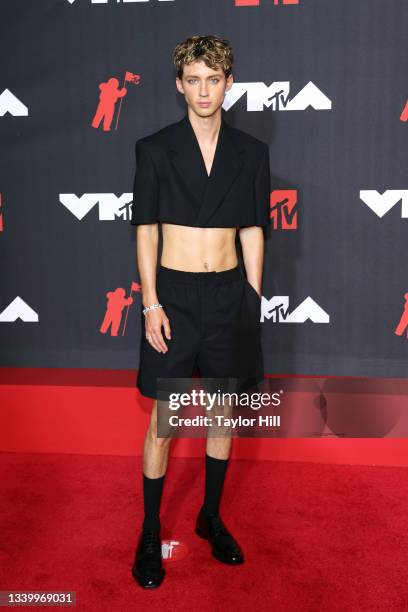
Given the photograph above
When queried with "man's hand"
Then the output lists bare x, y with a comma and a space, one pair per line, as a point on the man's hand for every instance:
154, 320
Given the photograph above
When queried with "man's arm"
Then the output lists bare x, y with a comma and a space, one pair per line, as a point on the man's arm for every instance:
147, 241
144, 216
144, 208
253, 244
252, 237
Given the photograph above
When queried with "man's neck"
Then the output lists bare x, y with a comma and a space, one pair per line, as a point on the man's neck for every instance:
205, 128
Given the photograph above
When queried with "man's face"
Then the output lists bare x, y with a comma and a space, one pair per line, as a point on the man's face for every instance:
203, 88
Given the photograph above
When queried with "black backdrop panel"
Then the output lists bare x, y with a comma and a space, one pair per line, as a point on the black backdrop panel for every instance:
66, 242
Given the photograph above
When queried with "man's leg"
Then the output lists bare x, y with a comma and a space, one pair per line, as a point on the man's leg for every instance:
217, 455
155, 459
147, 568
209, 524
216, 463
230, 350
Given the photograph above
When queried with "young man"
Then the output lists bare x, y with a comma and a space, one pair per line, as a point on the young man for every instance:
201, 179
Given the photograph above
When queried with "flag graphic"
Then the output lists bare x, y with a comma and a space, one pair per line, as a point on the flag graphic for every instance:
133, 78
135, 287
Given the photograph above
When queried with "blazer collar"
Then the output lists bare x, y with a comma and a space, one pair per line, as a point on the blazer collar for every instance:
206, 192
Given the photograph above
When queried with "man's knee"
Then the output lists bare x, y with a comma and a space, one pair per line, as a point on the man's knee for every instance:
154, 436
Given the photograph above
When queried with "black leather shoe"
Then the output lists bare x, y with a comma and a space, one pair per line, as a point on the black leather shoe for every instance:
147, 568
224, 547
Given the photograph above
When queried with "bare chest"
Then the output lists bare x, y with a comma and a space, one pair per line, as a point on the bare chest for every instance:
208, 154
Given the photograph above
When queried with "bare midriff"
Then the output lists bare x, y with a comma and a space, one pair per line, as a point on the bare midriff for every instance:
198, 249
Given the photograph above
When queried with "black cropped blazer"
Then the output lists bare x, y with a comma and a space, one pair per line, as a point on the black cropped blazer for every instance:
171, 184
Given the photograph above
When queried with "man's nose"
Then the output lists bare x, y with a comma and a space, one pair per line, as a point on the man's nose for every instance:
203, 90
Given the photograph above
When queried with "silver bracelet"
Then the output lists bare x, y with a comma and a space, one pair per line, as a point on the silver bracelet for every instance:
151, 307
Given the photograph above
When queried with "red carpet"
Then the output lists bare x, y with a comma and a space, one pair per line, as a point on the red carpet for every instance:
100, 412
316, 537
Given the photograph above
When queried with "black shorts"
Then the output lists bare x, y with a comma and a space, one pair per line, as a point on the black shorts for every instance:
215, 329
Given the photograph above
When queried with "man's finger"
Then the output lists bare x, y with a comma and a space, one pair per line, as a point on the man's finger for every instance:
158, 338
167, 330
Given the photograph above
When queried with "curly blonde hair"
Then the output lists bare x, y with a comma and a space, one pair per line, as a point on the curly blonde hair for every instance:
216, 52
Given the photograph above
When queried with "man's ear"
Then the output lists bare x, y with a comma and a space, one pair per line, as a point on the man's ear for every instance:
179, 85
230, 81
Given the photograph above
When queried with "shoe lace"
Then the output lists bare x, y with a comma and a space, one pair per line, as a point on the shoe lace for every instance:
151, 542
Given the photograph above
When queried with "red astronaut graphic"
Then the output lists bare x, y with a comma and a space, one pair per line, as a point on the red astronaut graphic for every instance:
110, 93
107, 100
116, 302
403, 324
404, 114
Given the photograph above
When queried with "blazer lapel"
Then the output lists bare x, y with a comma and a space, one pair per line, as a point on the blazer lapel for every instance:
207, 193
187, 160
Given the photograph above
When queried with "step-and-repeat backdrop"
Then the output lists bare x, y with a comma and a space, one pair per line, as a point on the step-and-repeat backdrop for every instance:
324, 82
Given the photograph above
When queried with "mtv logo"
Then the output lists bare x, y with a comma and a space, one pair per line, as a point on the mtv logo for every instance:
277, 96
110, 207
167, 549
284, 209
381, 203
277, 309
9, 103
18, 309
174, 550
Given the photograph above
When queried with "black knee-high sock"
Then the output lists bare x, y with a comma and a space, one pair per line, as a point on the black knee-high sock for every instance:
152, 492
215, 470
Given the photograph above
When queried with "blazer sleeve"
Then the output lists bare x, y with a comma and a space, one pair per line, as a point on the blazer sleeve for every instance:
263, 190
145, 188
